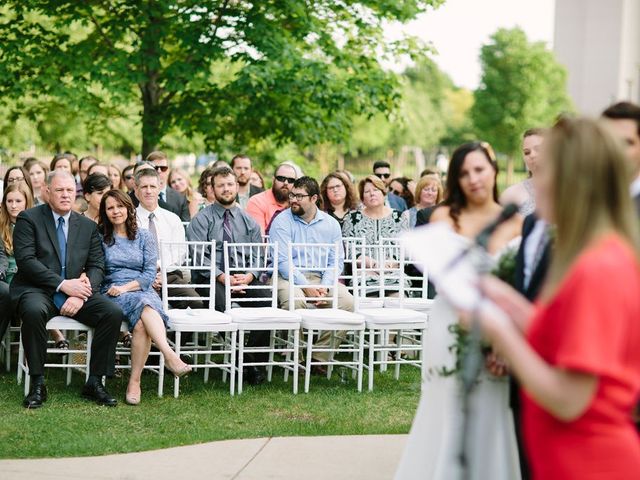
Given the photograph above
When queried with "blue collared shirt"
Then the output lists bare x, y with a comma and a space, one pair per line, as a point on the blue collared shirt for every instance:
288, 228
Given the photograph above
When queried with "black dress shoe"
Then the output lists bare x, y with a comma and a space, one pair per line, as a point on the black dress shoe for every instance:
98, 394
37, 396
254, 375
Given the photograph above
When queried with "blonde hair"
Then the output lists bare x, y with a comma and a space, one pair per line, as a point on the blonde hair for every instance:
189, 190
590, 192
6, 231
425, 180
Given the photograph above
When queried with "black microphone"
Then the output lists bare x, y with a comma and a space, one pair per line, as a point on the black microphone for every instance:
482, 239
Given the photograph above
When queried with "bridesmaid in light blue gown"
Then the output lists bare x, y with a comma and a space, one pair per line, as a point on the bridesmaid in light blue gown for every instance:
130, 264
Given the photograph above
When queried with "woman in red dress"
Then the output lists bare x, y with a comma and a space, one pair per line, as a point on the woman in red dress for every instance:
577, 351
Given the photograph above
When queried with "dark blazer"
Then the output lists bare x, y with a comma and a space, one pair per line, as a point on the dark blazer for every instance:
38, 255
424, 215
176, 203
253, 190
537, 277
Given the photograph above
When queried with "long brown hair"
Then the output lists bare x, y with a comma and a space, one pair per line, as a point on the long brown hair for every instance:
106, 227
454, 196
6, 231
584, 206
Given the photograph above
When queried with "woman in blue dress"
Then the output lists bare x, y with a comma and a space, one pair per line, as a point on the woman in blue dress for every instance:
130, 268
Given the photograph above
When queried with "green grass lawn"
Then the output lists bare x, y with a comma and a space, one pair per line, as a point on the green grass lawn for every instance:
68, 425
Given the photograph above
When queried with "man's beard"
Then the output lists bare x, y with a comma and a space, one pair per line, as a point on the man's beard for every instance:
299, 211
241, 182
222, 201
281, 197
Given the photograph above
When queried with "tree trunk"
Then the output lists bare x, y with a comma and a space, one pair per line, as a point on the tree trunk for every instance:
151, 127
150, 88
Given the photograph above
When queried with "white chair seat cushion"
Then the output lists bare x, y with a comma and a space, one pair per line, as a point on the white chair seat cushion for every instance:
370, 303
262, 315
392, 315
61, 322
420, 304
197, 317
328, 318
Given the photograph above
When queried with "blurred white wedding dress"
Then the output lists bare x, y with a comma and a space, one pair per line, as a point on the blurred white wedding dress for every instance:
434, 444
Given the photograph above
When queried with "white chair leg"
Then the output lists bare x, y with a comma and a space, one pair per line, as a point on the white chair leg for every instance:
240, 359
176, 379
233, 363
287, 357
272, 344
331, 344
207, 358
20, 360
294, 363
360, 358
161, 376
307, 373
398, 354
88, 357
371, 367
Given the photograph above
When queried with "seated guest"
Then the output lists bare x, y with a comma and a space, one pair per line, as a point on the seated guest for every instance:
115, 175
165, 226
17, 174
374, 222
180, 181
127, 178
16, 198
176, 202
338, 196
49, 282
264, 205
209, 225
98, 167
401, 186
130, 268
38, 174
241, 166
94, 187
62, 161
205, 188
428, 194
256, 179
382, 170
83, 171
304, 222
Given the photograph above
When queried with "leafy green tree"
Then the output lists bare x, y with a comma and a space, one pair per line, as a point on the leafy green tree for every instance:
522, 86
292, 71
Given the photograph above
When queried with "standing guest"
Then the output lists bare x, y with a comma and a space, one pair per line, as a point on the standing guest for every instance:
522, 193
428, 193
62, 161
401, 186
131, 255
382, 170
38, 174
177, 202
17, 174
209, 225
94, 188
338, 196
264, 205
180, 181
256, 179
576, 354
128, 178
241, 166
116, 177
49, 282
168, 228
16, 198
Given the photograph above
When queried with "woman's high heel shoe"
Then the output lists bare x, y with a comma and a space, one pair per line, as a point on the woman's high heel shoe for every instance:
182, 371
132, 399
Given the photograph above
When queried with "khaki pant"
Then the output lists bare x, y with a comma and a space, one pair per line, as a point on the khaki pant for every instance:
345, 302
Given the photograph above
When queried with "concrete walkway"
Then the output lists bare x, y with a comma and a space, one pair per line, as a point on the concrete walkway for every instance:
369, 457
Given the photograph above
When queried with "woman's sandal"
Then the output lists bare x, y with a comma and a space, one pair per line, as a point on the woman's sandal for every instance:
126, 340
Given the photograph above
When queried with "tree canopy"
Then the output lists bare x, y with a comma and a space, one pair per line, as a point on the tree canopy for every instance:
228, 70
522, 86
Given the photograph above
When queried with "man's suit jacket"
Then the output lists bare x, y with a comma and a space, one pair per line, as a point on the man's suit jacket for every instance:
37, 252
176, 203
539, 274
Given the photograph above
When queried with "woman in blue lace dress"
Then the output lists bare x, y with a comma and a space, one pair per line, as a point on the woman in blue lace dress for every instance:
130, 268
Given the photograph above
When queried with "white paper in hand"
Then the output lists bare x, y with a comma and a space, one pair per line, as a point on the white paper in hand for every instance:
447, 258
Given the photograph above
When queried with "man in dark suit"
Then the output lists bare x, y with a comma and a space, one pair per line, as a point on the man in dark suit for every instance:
176, 202
60, 267
532, 263
241, 166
